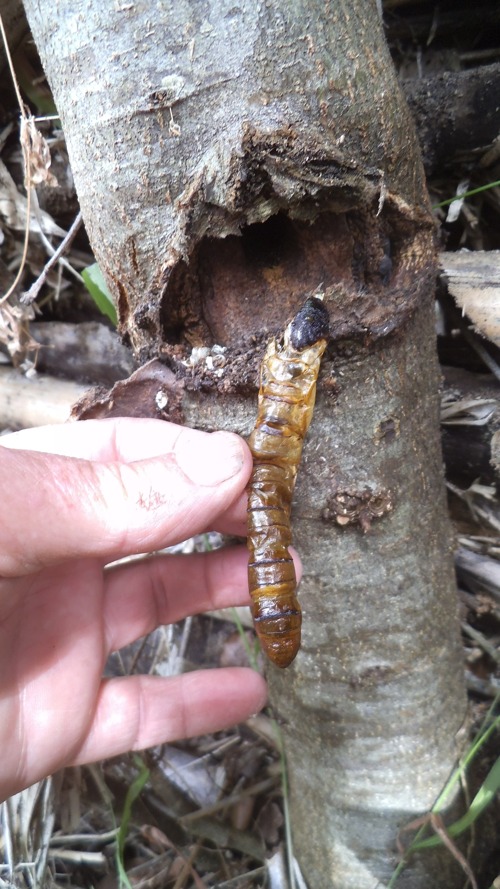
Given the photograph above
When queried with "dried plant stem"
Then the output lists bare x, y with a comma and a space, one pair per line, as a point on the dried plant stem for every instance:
20, 271
30, 295
22, 110
11, 67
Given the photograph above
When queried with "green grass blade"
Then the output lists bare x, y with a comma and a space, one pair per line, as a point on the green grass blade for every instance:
132, 794
252, 654
98, 289
467, 194
482, 799
482, 736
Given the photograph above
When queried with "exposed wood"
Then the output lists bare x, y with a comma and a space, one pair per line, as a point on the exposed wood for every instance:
35, 401
473, 280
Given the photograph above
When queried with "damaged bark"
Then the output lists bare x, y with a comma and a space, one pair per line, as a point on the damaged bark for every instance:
209, 139
231, 159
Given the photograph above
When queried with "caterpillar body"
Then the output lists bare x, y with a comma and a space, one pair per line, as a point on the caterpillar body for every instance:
287, 393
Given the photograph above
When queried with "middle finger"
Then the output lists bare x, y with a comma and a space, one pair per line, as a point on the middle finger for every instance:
142, 595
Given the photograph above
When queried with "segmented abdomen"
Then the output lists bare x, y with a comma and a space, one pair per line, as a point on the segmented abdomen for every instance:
287, 393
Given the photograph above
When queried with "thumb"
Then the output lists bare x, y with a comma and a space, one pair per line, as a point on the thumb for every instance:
54, 508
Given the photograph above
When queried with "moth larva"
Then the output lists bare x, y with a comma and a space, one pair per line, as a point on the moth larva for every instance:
287, 393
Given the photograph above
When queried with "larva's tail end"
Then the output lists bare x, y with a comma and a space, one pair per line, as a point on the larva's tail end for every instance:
281, 653
277, 620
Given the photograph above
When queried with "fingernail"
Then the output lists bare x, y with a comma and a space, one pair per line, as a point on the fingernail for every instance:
209, 462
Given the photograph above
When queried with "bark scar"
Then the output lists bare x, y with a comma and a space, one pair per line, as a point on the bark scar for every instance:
350, 507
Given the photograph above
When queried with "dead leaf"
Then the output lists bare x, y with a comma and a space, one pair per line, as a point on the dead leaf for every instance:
14, 209
36, 155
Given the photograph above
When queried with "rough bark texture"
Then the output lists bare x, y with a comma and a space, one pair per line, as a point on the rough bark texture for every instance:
230, 159
183, 129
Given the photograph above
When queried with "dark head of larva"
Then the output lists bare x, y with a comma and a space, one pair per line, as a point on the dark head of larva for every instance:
310, 324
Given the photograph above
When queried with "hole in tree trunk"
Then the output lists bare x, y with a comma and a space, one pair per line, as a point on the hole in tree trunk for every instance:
270, 243
238, 286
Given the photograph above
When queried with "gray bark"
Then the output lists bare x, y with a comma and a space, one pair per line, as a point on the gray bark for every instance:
193, 130
230, 158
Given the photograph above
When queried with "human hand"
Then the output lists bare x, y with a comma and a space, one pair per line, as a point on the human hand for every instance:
74, 498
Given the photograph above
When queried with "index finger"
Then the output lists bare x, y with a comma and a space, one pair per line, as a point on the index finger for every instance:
54, 508
118, 439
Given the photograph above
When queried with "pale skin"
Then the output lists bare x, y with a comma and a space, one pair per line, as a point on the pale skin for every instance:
73, 499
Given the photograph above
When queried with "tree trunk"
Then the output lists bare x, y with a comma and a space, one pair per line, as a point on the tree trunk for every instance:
230, 159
